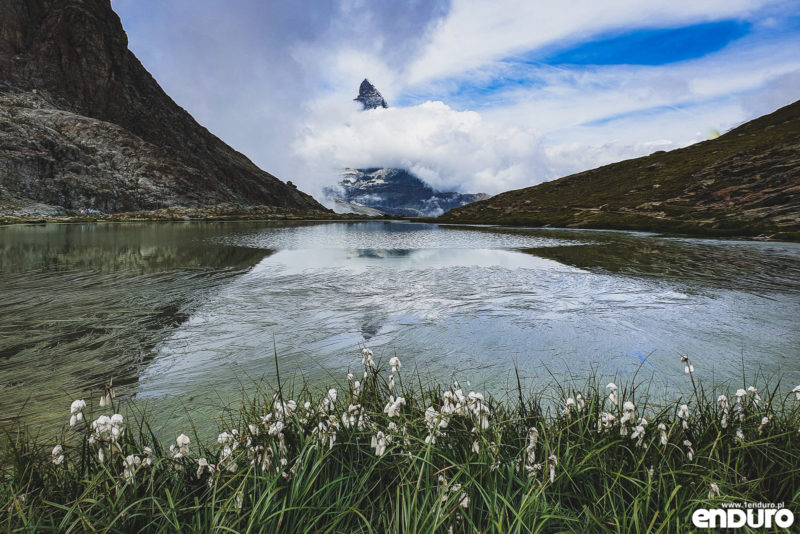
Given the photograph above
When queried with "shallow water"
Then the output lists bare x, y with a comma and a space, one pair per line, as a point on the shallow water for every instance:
187, 316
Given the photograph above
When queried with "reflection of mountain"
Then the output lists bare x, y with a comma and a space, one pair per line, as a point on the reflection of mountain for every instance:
109, 248
380, 254
396, 192
86, 303
692, 262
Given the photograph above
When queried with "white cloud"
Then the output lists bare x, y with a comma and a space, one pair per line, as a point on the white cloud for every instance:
451, 150
477, 32
575, 119
277, 82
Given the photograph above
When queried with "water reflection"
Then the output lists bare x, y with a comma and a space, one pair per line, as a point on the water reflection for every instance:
186, 314
85, 303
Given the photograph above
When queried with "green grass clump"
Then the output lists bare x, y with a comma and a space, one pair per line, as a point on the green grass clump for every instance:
386, 454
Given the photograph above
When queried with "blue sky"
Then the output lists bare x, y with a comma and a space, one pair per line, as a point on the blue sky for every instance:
484, 96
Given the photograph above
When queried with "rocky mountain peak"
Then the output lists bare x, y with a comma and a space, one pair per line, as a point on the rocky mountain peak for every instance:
370, 97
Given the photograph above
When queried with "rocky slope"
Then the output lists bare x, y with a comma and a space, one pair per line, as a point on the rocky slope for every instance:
746, 182
83, 124
395, 192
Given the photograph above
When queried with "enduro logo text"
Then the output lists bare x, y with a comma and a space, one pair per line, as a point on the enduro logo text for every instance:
736, 515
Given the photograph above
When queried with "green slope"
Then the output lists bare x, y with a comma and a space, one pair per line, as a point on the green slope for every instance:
746, 182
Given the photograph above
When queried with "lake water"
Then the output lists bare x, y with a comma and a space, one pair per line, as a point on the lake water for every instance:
188, 316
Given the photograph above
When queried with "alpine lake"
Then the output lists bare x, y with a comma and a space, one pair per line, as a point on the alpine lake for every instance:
189, 319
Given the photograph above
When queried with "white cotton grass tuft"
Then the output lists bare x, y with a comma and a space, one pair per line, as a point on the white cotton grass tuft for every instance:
796, 392
530, 452
639, 431
683, 415
662, 428
754, 393
722, 402
394, 362
713, 490
689, 449
76, 411
612, 396
379, 443
392, 408
688, 368
58, 455
366, 359
180, 448
764, 422
552, 461
605, 421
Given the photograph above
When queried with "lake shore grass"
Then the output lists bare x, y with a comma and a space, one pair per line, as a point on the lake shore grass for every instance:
386, 453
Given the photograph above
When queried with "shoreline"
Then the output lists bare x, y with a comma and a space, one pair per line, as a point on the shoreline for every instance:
271, 214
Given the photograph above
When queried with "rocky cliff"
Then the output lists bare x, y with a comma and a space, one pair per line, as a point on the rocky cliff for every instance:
83, 124
746, 182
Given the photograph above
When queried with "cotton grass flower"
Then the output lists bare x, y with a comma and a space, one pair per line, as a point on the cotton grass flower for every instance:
612, 396
638, 432
366, 358
683, 415
581, 403
379, 443
713, 490
627, 416
180, 448
76, 411
394, 362
605, 421
130, 466
569, 406
663, 429
763, 425
689, 449
722, 402
552, 461
689, 368
754, 393
58, 455
392, 408
796, 391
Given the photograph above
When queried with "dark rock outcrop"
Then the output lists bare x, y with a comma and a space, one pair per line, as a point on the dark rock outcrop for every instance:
82, 122
369, 97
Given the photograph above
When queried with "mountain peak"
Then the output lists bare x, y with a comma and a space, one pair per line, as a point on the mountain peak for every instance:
370, 97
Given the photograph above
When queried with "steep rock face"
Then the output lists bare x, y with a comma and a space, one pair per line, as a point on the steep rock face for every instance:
397, 192
745, 182
71, 56
369, 96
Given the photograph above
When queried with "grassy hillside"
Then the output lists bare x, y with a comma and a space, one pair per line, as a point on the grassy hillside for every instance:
746, 182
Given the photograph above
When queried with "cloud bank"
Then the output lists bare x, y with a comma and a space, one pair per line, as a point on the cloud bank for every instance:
478, 104
449, 149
